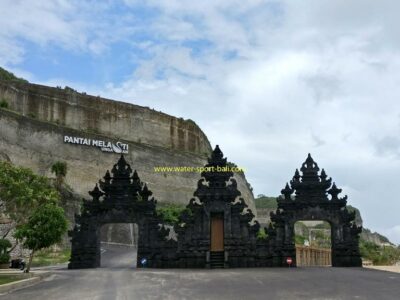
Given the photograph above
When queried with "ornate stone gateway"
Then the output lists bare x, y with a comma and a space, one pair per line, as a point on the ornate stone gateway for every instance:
217, 229
310, 202
121, 198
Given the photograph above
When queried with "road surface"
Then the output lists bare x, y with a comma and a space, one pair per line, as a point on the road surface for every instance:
118, 279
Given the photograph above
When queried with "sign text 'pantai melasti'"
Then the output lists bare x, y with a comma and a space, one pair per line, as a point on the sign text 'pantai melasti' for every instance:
104, 146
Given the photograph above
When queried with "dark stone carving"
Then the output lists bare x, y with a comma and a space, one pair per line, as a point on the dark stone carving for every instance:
121, 198
217, 193
311, 202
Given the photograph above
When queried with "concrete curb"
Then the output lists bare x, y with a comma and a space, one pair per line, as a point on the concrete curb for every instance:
12, 286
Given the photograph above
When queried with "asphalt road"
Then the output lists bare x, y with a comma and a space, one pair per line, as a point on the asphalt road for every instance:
118, 279
118, 257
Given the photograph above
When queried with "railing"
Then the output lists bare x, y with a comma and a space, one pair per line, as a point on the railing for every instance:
312, 256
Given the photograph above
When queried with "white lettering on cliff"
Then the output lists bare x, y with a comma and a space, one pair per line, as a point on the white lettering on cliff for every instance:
105, 146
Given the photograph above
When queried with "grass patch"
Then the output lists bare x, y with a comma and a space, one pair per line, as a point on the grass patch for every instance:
10, 278
48, 258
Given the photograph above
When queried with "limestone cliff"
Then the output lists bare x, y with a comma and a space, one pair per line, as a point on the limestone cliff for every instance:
117, 119
37, 118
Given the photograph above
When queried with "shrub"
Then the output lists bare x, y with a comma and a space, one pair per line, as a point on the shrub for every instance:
170, 213
4, 256
379, 255
261, 234
59, 168
3, 103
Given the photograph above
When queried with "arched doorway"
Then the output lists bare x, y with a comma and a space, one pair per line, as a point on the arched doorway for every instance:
119, 244
313, 243
120, 198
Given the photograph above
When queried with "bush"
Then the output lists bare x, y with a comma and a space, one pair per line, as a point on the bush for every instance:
3, 103
4, 244
170, 213
261, 234
59, 168
379, 255
299, 240
4, 256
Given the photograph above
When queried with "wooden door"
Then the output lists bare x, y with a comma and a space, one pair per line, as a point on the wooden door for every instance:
217, 233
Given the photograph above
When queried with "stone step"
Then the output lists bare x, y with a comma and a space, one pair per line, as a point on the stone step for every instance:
217, 260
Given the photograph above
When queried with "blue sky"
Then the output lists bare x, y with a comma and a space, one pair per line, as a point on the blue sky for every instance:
269, 81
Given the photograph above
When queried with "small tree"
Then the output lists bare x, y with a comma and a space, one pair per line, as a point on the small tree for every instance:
21, 191
60, 169
45, 227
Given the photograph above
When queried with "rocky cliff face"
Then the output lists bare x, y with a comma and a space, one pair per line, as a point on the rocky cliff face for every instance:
34, 126
110, 118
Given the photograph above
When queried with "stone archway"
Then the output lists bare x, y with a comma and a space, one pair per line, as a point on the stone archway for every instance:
121, 198
310, 201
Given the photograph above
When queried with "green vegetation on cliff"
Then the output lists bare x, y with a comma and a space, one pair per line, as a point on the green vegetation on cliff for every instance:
6, 75
60, 169
263, 201
379, 255
3, 103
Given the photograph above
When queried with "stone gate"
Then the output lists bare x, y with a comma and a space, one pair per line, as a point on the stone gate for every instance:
217, 229
306, 198
121, 198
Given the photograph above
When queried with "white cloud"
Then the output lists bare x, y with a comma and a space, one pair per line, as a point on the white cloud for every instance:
320, 72
40, 22
74, 26
276, 80
393, 233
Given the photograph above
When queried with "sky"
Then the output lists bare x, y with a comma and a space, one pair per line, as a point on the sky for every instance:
268, 81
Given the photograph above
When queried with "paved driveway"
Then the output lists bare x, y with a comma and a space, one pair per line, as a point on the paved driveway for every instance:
122, 281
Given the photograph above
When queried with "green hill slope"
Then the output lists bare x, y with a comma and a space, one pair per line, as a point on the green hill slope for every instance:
6, 75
